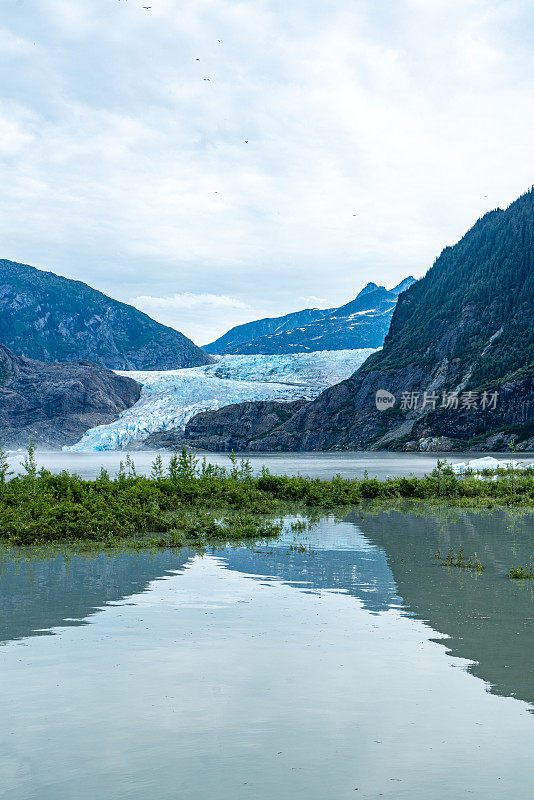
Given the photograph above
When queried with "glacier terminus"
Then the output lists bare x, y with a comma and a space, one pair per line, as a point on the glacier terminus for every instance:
170, 398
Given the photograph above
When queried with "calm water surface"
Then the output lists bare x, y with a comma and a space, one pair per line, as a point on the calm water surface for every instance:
264, 672
316, 465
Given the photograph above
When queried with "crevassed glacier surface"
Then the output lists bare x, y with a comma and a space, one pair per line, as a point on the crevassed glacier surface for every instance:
169, 399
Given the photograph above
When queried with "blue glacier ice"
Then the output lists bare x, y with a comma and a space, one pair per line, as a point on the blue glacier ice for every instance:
169, 399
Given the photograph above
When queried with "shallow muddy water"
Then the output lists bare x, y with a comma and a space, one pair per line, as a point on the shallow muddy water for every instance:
354, 664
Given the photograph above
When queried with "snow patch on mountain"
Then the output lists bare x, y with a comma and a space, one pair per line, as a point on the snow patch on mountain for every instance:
169, 399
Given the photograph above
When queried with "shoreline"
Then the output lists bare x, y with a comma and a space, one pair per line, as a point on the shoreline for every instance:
191, 502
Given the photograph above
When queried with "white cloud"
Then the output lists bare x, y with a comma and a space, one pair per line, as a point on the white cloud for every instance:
333, 144
189, 300
11, 45
312, 301
202, 317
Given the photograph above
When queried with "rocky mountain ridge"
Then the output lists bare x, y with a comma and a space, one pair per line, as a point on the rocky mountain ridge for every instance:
361, 323
458, 336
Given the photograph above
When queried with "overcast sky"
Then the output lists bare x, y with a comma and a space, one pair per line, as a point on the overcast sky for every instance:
213, 161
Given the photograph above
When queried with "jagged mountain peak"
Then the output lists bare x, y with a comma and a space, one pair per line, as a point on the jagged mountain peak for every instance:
370, 287
403, 285
361, 323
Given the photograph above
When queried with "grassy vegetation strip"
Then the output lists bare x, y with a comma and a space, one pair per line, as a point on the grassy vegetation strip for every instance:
458, 560
189, 502
522, 573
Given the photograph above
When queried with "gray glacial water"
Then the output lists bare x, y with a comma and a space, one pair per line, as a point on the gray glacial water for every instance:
356, 664
317, 465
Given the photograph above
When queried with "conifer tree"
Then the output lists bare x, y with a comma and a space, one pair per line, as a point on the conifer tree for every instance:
4, 466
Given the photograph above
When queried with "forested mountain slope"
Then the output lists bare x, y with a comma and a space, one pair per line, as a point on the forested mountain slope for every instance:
51, 318
465, 331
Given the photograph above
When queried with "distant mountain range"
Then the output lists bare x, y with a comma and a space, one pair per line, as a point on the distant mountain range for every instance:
364, 322
51, 318
466, 330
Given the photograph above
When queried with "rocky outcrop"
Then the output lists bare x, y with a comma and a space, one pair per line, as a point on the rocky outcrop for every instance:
345, 417
230, 428
50, 318
233, 427
56, 403
465, 331
362, 323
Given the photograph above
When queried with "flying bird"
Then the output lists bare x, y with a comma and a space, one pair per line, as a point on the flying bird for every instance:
205, 79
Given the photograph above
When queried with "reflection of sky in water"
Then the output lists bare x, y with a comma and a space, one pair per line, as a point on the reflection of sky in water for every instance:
36, 595
341, 559
202, 683
253, 672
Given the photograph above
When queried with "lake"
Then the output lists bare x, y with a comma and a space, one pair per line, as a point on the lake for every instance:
336, 663
316, 465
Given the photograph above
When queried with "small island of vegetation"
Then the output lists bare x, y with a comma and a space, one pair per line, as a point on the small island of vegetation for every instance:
192, 502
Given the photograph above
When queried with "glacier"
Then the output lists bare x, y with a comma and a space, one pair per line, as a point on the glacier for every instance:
170, 398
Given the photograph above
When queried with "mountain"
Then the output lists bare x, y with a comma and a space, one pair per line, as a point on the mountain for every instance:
363, 322
238, 423
56, 403
466, 329
250, 331
51, 318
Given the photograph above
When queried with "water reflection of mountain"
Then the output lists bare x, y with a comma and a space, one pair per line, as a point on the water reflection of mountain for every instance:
362, 572
384, 560
39, 594
486, 617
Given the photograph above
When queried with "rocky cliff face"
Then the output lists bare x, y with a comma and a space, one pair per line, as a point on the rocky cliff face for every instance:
56, 403
231, 428
458, 360
364, 322
50, 318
